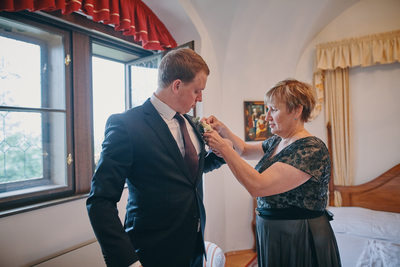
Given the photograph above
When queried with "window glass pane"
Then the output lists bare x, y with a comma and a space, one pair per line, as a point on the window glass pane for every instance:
21, 148
108, 96
32, 69
32, 147
20, 73
144, 83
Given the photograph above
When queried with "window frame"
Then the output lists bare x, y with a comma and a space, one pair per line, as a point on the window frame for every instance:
79, 117
46, 178
26, 194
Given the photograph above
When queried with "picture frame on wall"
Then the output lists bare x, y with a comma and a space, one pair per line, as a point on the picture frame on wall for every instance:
255, 123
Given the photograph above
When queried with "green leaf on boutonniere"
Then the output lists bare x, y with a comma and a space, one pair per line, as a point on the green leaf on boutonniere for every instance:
197, 123
201, 126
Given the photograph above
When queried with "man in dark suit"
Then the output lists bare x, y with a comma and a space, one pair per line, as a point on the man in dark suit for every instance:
146, 148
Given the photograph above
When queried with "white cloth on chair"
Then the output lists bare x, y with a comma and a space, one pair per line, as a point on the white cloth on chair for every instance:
215, 255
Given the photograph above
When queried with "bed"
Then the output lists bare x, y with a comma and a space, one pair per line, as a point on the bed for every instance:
367, 225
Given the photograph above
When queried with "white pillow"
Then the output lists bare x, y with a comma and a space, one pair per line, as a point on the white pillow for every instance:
366, 222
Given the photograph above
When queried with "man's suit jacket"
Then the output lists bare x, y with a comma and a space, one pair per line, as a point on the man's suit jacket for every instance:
165, 203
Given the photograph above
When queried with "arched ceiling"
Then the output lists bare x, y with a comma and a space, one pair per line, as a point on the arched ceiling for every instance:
301, 19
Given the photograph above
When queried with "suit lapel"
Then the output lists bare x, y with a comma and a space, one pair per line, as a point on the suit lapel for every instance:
160, 128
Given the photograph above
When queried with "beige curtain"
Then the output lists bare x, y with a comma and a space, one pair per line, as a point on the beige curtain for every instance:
337, 113
383, 48
331, 80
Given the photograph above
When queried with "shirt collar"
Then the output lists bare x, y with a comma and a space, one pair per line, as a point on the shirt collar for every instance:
162, 108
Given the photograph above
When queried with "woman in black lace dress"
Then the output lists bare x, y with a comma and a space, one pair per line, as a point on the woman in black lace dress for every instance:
290, 181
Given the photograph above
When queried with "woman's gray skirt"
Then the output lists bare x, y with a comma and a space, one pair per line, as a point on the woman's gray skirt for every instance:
303, 242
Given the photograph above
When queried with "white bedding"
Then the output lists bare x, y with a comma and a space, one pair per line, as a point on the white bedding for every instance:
350, 248
380, 253
366, 237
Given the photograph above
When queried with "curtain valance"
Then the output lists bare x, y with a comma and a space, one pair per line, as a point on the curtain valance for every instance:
132, 17
369, 50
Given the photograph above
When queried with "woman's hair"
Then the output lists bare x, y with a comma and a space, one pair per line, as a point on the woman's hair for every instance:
294, 94
181, 64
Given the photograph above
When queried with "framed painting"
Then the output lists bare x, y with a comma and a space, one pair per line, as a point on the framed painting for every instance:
255, 123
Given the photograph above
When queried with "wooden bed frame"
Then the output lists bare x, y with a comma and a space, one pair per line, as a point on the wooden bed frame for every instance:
381, 193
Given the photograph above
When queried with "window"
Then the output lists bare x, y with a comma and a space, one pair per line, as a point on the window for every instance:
53, 103
121, 80
108, 96
33, 112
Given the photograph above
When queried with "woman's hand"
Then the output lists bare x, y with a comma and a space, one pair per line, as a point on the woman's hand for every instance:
216, 152
217, 143
216, 125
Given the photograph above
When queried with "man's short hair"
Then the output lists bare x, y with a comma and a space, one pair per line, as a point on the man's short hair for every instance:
183, 64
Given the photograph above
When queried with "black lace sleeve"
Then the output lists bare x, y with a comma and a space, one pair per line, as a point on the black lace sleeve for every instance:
310, 156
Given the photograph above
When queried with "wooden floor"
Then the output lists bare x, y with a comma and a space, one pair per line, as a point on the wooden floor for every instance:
239, 258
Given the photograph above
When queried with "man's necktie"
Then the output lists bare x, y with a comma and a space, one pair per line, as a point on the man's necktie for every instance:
190, 157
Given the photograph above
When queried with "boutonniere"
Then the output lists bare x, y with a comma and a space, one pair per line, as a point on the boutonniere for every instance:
201, 125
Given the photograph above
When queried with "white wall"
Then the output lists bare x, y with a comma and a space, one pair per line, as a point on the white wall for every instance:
257, 54
249, 46
375, 109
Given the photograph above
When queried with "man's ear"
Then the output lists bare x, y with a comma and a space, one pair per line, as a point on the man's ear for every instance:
175, 85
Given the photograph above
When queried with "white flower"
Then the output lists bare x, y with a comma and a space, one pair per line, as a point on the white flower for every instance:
206, 127
201, 125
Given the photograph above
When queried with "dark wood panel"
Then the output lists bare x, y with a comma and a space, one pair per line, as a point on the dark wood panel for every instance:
82, 72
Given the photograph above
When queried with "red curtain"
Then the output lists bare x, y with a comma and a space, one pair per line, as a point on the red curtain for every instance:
132, 17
